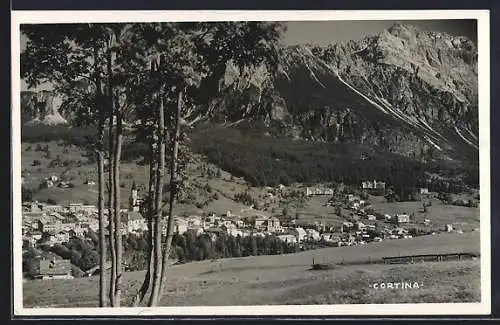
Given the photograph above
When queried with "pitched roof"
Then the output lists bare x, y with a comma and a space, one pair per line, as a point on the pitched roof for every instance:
130, 215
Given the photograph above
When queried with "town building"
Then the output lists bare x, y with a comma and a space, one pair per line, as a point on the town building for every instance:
79, 230
360, 226
330, 237
232, 230
197, 230
134, 200
80, 207
133, 221
61, 237
28, 241
318, 191
290, 239
352, 197
346, 225
54, 269
35, 234
373, 187
260, 222
180, 225
273, 225
299, 233
313, 234
67, 226
46, 225
47, 183
402, 218
52, 208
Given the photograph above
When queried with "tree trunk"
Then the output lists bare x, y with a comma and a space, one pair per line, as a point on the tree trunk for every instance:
153, 301
112, 230
148, 213
117, 208
102, 226
100, 185
173, 192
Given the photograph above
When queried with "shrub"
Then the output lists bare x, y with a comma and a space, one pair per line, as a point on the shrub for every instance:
26, 194
36, 162
76, 271
245, 198
88, 260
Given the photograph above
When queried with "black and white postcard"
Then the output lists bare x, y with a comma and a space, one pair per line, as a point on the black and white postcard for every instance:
251, 162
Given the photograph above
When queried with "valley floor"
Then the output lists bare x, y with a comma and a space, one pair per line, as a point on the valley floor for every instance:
287, 279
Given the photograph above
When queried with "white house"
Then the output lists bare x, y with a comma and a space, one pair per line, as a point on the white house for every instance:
330, 237
313, 234
371, 217
196, 229
273, 225
134, 221
35, 234
318, 191
346, 225
361, 226
352, 198
299, 233
62, 237
195, 221
291, 239
181, 225
52, 208
259, 222
67, 226
402, 218
258, 234
79, 230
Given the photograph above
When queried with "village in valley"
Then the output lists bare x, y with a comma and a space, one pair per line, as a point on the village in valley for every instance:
358, 222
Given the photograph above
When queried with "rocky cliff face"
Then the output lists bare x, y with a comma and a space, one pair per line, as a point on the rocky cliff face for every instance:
41, 107
405, 90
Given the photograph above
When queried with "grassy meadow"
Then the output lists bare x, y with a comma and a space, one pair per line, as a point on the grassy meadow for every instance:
287, 279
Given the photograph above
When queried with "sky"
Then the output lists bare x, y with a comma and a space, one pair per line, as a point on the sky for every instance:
328, 32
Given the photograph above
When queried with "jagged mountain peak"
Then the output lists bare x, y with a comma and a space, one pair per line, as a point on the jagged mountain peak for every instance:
403, 83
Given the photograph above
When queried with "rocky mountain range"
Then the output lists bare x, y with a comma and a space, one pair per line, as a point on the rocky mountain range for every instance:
404, 90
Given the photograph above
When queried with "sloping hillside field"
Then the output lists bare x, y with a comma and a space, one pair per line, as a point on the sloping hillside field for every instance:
287, 279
